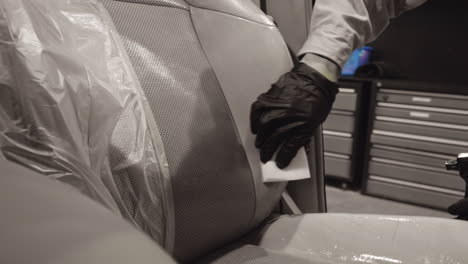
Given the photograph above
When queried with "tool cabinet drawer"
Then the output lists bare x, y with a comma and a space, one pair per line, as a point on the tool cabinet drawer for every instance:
424, 99
423, 115
411, 156
411, 195
416, 129
339, 122
341, 145
338, 167
439, 179
345, 101
413, 144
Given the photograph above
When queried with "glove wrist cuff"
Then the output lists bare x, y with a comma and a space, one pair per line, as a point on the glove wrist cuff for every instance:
323, 65
329, 88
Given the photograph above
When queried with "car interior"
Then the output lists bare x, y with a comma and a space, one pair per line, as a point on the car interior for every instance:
125, 138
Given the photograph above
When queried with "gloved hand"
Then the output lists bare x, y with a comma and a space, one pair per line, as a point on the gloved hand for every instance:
460, 209
286, 116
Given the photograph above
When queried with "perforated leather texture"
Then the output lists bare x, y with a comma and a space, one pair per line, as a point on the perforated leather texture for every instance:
169, 3
213, 189
132, 173
238, 57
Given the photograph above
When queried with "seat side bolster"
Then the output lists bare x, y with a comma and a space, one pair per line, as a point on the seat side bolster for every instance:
246, 62
245, 9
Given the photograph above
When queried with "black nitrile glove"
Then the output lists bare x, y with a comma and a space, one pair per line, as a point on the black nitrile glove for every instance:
460, 209
286, 116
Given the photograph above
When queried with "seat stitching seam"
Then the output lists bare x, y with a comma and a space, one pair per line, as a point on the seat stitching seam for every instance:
141, 2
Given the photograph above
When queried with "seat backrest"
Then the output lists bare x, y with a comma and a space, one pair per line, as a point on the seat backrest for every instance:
77, 114
201, 64
72, 109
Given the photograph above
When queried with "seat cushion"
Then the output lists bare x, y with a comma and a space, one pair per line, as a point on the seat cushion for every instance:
255, 255
347, 238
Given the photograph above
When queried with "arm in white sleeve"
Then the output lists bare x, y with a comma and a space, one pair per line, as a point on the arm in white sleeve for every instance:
338, 27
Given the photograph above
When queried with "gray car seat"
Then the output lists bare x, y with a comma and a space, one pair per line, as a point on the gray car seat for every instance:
201, 63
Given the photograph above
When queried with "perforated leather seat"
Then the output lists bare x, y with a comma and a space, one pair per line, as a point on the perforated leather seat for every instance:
201, 63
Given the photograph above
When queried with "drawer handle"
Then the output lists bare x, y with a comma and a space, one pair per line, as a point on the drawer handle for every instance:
420, 114
421, 99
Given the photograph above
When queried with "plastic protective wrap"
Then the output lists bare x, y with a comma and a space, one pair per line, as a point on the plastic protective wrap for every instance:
72, 108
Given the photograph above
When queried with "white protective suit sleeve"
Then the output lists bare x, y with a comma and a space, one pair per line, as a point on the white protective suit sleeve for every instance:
337, 28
